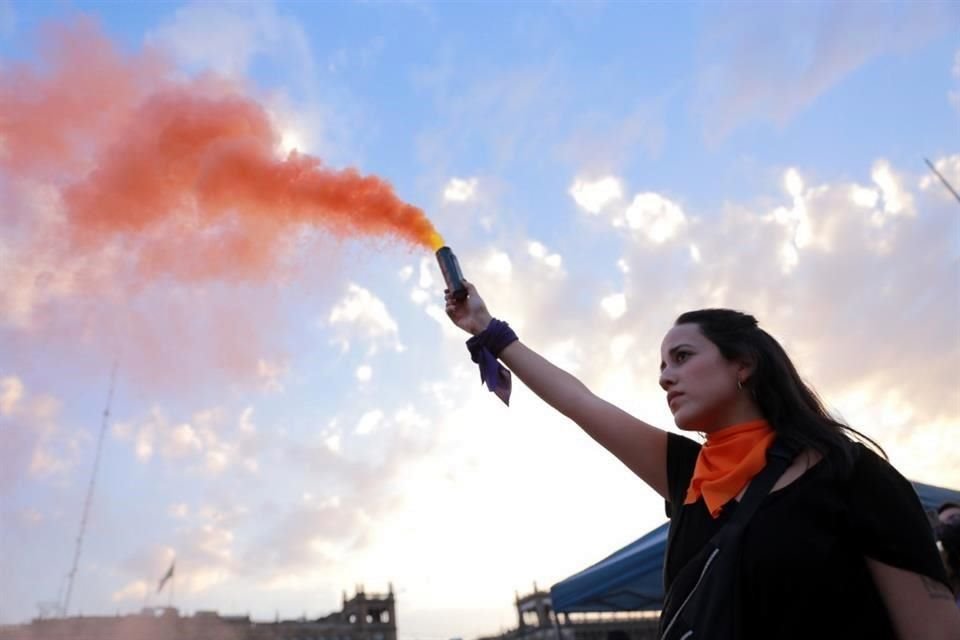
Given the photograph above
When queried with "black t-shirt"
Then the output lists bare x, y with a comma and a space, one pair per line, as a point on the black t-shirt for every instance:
803, 573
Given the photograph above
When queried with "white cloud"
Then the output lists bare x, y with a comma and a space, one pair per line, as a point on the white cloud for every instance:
771, 62
228, 38
245, 424
135, 591
566, 354
460, 190
11, 391
183, 441
271, 374
621, 345
216, 461
864, 196
594, 195
427, 278
369, 422
499, 264
209, 441
896, 199
540, 252
419, 296
45, 463
793, 182
333, 443
362, 312
405, 273
614, 305
657, 218
179, 510
409, 417
364, 373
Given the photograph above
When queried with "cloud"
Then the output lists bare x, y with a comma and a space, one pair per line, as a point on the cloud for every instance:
35, 443
605, 142
207, 439
369, 422
653, 216
847, 305
364, 373
594, 195
11, 391
460, 189
271, 373
135, 591
770, 62
614, 305
554, 261
510, 113
361, 314
227, 39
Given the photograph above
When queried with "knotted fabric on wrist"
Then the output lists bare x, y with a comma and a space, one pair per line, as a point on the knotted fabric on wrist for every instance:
484, 349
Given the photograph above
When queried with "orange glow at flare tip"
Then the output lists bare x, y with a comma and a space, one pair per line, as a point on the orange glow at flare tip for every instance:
435, 240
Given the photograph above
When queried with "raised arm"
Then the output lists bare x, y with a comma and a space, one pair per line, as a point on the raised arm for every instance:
640, 446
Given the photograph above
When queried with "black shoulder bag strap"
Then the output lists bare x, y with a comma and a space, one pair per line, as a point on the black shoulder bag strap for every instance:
702, 598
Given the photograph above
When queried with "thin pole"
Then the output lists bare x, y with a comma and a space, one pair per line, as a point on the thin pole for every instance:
89, 498
943, 180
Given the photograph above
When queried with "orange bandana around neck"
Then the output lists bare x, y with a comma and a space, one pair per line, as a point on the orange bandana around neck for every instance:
727, 461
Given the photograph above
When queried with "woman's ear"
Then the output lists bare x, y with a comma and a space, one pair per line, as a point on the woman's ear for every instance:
746, 366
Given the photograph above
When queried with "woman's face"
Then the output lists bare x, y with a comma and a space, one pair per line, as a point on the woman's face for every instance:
701, 384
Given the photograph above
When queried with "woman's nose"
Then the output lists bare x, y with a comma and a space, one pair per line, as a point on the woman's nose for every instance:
666, 379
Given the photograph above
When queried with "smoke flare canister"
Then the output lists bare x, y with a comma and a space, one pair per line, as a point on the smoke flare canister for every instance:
452, 275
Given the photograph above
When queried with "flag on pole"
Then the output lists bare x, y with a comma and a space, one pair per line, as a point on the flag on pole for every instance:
166, 576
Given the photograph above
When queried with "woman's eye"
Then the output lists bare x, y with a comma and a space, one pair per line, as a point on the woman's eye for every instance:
681, 356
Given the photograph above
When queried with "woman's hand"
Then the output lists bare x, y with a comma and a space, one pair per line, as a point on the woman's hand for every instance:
470, 314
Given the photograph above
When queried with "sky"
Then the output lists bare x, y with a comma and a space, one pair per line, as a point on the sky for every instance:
293, 415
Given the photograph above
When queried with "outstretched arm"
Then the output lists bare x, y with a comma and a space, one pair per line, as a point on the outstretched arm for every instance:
640, 446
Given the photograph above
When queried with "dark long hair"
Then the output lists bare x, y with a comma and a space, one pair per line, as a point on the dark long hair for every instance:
790, 406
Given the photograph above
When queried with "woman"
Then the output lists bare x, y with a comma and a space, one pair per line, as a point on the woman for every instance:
840, 548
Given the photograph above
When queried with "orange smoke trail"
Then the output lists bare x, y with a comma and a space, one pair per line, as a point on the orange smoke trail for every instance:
165, 161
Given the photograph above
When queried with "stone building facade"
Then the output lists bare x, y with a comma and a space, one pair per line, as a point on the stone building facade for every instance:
536, 620
363, 617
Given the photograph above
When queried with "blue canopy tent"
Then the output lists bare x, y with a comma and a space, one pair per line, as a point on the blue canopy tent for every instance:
631, 579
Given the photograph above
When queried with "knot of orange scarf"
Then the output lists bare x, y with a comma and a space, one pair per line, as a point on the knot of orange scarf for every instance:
727, 461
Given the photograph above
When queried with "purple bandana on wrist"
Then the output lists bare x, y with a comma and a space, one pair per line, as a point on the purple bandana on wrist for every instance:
484, 349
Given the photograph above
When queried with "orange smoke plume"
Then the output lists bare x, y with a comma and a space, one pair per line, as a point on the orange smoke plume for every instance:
169, 163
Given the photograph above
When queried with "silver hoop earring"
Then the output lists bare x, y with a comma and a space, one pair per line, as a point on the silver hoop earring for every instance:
739, 384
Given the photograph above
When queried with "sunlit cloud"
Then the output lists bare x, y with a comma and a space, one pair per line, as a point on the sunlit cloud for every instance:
770, 63
364, 373
460, 189
614, 305
11, 391
363, 314
369, 422
593, 196
653, 216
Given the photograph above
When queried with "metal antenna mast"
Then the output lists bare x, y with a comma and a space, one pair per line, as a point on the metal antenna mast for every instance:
943, 180
89, 498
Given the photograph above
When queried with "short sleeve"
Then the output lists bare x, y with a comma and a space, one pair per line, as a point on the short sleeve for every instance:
681, 459
886, 519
